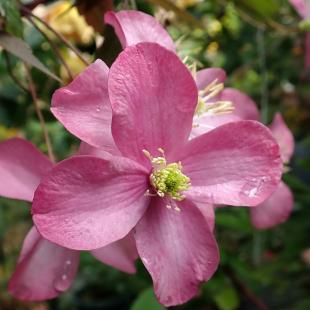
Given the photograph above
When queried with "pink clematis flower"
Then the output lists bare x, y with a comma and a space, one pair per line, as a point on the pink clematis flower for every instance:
303, 9
278, 207
44, 269
218, 105
134, 27
150, 177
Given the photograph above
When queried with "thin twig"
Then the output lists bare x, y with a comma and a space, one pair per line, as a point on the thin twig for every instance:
246, 291
53, 46
262, 24
257, 248
282, 28
58, 35
32, 90
133, 4
11, 73
34, 4
260, 39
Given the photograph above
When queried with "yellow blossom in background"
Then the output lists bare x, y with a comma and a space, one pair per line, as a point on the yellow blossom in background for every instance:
75, 64
65, 19
186, 3
214, 27
6, 133
212, 48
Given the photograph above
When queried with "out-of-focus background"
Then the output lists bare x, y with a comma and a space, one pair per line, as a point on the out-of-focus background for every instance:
261, 46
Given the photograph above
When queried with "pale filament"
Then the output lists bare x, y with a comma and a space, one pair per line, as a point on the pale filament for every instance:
217, 107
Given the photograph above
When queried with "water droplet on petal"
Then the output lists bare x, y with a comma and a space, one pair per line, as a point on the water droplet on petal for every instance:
252, 192
62, 283
98, 109
254, 187
144, 260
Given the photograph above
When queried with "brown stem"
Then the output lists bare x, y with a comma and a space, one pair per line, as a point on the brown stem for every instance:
262, 24
53, 46
246, 291
33, 92
33, 4
58, 35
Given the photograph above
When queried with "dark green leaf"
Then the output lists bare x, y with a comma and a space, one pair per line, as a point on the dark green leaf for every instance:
21, 49
10, 11
147, 300
227, 299
264, 8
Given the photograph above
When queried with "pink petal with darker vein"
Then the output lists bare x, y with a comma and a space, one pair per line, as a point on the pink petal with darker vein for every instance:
120, 254
44, 269
236, 164
153, 97
178, 249
284, 137
207, 76
245, 107
83, 106
22, 166
133, 27
86, 202
207, 122
275, 210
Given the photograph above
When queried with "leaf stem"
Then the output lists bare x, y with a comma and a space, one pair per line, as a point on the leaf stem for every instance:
260, 39
245, 290
33, 92
53, 46
58, 35
11, 73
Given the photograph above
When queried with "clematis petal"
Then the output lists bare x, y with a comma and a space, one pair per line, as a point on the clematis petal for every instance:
245, 107
44, 269
207, 76
237, 163
87, 149
83, 106
207, 210
86, 202
284, 137
22, 166
133, 27
207, 122
177, 248
300, 7
120, 254
275, 210
153, 97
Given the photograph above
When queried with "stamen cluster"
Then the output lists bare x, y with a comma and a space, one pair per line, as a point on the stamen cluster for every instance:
218, 107
168, 179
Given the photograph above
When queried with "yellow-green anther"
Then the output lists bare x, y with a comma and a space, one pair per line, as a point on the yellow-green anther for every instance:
170, 181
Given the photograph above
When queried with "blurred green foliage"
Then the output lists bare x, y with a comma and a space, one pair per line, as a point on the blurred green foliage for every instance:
256, 42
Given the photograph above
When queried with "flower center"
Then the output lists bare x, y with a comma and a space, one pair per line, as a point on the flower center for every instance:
167, 180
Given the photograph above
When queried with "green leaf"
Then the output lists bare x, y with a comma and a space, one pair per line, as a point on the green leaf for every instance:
227, 299
21, 49
180, 13
234, 219
147, 300
10, 11
265, 8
